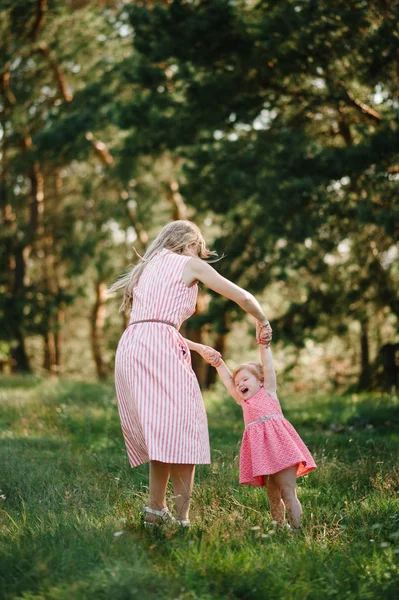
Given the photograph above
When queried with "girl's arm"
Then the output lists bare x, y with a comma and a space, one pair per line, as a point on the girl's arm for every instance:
227, 379
214, 358
269, 374
198, 270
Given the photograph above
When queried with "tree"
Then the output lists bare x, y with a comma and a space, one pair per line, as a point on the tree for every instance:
286, 115
53, 89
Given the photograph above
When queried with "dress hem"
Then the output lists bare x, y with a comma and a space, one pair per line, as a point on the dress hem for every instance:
258, 477
170, 462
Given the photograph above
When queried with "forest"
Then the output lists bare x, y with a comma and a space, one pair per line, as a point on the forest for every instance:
273, 126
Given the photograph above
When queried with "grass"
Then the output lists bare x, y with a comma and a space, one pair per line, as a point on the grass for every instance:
69, 489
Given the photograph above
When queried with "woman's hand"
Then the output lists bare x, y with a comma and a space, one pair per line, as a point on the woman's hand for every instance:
264, 334
210, 355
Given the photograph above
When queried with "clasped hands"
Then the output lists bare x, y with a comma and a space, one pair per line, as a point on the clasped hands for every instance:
210, 355
264, 334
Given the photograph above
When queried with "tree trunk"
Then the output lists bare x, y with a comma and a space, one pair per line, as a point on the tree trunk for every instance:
19, 356
97, 327
390, 364
45, 242
197, 362
8, 217
125, 320
364, 377
36, 198
179, 209
15, 254
59, 282
194, 332
59, 338
220, 346
50, 354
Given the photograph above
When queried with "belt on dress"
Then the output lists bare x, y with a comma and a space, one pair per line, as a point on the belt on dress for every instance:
153, 321
265, 418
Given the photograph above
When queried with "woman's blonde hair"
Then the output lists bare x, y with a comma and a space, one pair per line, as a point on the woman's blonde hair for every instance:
175, 236
255, 368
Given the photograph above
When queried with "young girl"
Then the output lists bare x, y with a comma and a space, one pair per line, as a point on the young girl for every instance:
272, 453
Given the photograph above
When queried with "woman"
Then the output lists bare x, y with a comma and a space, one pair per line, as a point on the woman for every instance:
160, 404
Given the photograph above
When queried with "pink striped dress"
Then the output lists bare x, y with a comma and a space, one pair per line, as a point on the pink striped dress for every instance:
160, 403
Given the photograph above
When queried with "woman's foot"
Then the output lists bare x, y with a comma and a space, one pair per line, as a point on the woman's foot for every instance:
157, 517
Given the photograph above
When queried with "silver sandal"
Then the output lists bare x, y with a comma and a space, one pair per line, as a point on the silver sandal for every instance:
164, 514
184, 523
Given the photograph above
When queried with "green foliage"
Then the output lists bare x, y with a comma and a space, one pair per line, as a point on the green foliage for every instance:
271, 107
62, 202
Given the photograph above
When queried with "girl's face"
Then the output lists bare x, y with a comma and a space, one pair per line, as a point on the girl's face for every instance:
247, 384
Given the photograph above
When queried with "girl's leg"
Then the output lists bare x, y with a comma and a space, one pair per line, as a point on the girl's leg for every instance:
277, 507
159, 477
286, 480
183, 480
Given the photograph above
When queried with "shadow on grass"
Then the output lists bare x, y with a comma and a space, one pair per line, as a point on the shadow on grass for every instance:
76, 560
347, 413
43, 473
24, 382
59, 519
82, 393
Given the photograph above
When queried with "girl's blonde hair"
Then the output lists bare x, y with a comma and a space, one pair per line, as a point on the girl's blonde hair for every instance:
255, 368
175, 236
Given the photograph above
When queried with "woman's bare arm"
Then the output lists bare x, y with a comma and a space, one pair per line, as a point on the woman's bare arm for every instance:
198, 270
210, 355
193, 345
269, 374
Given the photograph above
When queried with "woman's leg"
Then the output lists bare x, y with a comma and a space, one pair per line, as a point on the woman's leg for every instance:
277, 507
182, 477
159, 477
286, 480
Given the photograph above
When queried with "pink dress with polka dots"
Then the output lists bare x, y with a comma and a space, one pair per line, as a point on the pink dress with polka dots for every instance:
270, 443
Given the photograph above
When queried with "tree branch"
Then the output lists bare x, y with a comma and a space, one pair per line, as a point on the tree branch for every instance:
36, 201
5, 84
100, 149
364, 108
58, 74
142, 235
41, 9
176, 200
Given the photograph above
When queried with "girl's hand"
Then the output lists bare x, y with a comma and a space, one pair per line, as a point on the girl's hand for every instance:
210, 355
264, 334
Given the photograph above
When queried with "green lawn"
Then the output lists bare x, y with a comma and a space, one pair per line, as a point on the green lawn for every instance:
69, 489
